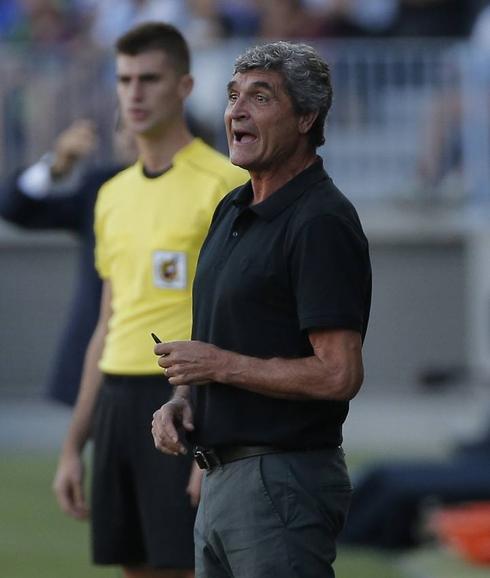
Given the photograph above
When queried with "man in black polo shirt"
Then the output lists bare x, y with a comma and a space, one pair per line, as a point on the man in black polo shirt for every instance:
281, 304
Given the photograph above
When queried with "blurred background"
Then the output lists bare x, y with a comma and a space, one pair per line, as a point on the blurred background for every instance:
408, 140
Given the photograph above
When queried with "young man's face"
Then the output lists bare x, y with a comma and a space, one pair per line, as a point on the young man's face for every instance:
261, 125
150, 92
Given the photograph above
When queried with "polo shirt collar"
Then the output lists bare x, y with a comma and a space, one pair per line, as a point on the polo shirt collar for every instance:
283, 197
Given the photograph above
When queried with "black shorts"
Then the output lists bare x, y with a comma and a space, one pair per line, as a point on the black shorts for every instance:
141, 514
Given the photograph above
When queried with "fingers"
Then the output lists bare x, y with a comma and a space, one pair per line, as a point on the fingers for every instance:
163, 349
62, 497
70, 497
164, 362
68, 486
79, 506
80, 139
165, 435
185, 362
187, 419
172, 371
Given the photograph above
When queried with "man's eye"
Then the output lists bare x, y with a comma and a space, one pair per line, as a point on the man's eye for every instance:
261, 98
232, 97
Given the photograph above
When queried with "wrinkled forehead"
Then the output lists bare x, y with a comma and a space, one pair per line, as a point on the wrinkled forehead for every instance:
257, 78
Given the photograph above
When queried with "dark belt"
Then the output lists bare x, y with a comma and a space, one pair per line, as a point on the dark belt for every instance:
209, 458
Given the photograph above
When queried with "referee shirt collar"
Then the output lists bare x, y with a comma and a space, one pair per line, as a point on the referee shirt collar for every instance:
279, 200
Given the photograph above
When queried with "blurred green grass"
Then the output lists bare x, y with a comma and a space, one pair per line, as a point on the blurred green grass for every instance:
38, 541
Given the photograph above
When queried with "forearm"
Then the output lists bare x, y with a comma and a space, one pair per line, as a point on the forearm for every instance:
15, 206
299, 379
46, 211
333, 371
81, 423
181, 392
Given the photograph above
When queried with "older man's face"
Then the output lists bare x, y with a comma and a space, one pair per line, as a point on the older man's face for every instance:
261, 125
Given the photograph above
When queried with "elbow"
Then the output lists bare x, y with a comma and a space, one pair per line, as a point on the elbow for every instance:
352, 388
342, 384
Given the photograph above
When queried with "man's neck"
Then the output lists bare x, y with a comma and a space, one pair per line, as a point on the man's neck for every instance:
265, 182
156, 152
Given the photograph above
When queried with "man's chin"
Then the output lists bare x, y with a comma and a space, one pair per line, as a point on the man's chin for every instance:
141, 128
240, 161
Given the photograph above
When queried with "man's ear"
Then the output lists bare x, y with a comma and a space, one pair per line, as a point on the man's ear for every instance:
186, 84
306, 121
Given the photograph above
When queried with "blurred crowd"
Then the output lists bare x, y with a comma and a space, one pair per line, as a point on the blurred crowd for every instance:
59, 51
96, 23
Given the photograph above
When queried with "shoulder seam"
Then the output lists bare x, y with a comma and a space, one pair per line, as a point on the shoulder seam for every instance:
216, 175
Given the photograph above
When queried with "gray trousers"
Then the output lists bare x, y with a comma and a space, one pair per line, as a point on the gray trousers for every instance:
272, 516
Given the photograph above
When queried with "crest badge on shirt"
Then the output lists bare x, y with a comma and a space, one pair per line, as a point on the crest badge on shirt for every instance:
170, 269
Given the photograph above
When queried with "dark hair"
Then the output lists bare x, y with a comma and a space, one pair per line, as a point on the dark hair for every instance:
157, 36
306, 78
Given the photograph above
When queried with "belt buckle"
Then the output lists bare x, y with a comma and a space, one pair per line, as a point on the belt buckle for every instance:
202, 457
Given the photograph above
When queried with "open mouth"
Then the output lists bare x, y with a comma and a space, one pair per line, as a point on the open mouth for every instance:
243, 137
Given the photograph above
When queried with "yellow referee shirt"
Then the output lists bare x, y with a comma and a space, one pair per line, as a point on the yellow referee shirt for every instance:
148, 235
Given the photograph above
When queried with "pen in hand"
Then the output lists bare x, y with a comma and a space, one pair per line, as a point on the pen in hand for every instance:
156, 339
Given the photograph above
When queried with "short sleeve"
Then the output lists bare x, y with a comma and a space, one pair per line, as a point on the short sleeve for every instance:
331, 274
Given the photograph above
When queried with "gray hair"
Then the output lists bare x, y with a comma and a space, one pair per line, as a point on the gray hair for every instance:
306, 78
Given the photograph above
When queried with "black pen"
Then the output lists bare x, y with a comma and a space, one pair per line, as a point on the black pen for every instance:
156, 339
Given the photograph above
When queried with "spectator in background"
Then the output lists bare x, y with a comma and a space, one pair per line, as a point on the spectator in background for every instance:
366, 17
205, 25
202, 22
42, 23
353, 18
287, 19
440, 164
443, 18
59, 193
9, 15
481, 29
112, 18
240, 18
326, 18
401, 18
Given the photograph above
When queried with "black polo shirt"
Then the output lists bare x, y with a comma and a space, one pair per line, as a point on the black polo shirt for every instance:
267, 274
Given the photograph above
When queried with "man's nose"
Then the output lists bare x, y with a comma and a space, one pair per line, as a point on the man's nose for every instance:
238, 109
136, 92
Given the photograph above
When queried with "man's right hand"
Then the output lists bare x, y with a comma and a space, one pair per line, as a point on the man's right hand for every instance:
68, 486
175, 414
75, 143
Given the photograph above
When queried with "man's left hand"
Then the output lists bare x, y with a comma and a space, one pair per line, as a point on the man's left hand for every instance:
190, 362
